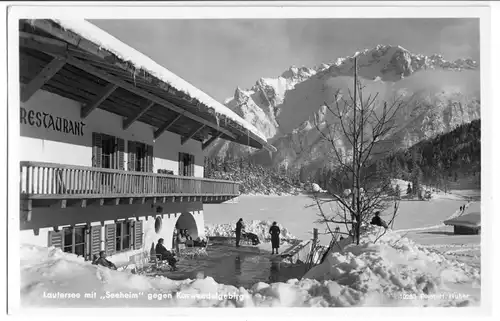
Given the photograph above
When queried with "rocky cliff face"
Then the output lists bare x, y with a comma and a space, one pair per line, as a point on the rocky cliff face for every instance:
438, 94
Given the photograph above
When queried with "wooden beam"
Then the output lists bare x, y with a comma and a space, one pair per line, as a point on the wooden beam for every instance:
90, 107
39, 43
165, 126
127, 122
41, 40
194, 132
42, 78
140, 92
210, 141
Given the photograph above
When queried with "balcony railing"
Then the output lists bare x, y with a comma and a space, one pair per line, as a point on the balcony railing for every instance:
58, 181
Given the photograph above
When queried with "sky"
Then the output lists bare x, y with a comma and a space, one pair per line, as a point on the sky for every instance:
219, 55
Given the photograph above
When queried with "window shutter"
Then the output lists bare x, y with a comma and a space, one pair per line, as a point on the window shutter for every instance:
121, 153
96, 150
181, 164
110, 237
56, 239
149, 153
131, 156
191, 165
138, 235
95, 240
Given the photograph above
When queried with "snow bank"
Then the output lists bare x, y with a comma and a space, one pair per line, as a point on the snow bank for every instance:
393, 272
315, 188
396, 268
258, 227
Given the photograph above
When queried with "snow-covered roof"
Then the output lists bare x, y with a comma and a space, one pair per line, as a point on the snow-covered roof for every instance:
469, 220
107, 42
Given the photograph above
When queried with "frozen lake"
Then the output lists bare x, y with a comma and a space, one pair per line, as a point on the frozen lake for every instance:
298, 216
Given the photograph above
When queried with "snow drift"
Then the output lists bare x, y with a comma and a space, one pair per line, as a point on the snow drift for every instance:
393, 272
396, 268
258, 227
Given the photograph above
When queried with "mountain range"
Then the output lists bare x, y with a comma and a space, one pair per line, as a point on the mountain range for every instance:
438, 96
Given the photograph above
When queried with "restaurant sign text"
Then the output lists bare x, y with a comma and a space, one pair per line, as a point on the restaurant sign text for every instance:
48, 121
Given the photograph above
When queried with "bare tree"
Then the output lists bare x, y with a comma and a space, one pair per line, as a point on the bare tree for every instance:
360, 186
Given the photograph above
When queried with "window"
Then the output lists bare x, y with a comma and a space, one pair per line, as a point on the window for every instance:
186, 164
140, 157
158, 224
79, 240
123, 236
74, 240
108, 155
107, 151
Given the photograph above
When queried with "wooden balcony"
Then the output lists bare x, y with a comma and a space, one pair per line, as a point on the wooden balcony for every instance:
68, 183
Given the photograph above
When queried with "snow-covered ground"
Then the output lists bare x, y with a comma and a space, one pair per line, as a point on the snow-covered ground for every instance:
410, 267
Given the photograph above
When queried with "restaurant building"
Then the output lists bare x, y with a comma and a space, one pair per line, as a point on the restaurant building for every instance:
112, 144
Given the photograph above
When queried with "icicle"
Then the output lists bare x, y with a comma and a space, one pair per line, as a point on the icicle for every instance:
216, 119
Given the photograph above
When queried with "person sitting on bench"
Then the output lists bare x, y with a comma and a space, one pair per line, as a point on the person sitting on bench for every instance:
101, 260
166, 255
376, 220
187, 236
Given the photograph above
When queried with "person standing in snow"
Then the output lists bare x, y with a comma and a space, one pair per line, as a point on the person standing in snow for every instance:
275, 237
239, 228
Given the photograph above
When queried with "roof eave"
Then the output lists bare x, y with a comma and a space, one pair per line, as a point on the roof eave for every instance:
82, 43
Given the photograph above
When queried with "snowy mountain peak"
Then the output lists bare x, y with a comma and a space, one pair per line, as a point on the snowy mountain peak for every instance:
240, 94
392, 63
301, 73
286, 107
